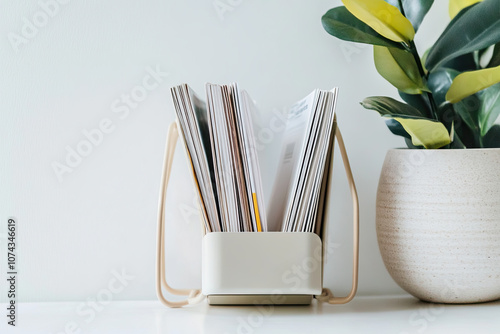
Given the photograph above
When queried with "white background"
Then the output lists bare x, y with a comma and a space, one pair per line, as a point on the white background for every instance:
74, 232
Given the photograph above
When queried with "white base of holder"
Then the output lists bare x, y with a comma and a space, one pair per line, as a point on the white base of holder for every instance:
261, 268
259, 299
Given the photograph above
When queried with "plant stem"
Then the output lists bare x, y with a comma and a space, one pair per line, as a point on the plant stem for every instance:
413, 49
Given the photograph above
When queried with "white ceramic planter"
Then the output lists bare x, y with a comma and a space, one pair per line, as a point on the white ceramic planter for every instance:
438, 223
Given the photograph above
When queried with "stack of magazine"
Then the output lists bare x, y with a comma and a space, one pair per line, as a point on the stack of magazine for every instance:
220, 141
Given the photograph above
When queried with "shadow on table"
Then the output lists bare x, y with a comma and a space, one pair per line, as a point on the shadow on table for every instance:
251, 319
365, 305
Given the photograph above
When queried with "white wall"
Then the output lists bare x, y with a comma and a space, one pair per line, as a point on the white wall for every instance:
101, 217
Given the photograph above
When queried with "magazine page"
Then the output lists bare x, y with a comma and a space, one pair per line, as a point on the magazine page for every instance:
292, 145
252, 158
192, 117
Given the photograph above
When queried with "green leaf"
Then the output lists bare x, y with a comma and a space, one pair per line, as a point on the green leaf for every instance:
418, 102
468, 110
340, 23
462, 135
474, 28
492, 138
490, 108
428, 133
414, 10
447, 116
423, 59
495, 58
467, 136
387, 106
399, 68
396, 128
439, 83
384, 18
457, 142
462, 63
455, 6
468, 83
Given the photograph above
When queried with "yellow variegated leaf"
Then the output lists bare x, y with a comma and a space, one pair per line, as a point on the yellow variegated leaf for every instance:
427, 133
382, 17
455, 6
399, 68
468, 83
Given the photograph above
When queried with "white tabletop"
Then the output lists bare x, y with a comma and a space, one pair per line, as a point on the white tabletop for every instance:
387, 314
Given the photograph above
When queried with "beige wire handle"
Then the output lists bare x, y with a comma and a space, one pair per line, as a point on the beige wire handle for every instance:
194, 296
327, 295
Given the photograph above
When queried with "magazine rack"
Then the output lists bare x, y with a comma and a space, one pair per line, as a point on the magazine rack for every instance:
248, 268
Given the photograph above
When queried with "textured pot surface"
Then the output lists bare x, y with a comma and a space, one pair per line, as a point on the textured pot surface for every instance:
438, 223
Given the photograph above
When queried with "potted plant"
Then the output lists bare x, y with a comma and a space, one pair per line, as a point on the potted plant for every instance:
438, 202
